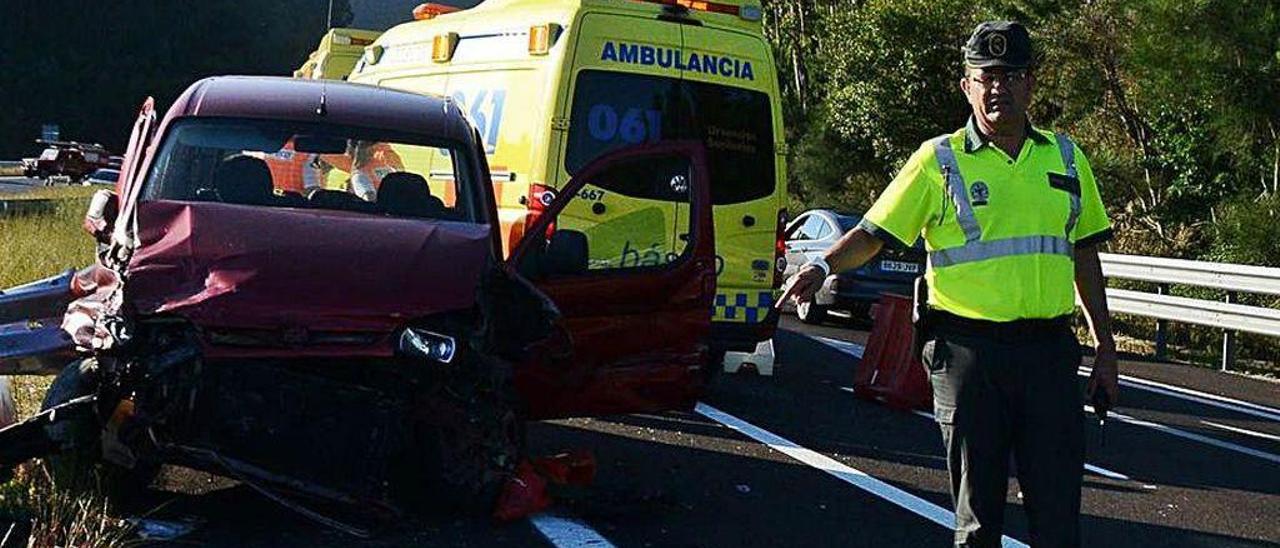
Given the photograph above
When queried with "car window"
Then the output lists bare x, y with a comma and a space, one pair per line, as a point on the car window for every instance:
848, 222
824, 228
272, 163
812, 228
796, 232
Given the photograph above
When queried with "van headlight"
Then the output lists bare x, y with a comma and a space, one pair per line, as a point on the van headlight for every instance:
426, 344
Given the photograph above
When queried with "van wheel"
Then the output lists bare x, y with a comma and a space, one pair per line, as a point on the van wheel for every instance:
468, 437
811, 313
78, 466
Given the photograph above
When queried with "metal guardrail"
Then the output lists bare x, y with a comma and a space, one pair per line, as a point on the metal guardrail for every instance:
10, 208
1227, 276
1227, 315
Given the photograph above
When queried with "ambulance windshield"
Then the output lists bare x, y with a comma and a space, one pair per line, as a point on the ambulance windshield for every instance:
271, 163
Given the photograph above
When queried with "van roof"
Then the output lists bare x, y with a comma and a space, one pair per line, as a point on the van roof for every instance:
281, 98
499, 13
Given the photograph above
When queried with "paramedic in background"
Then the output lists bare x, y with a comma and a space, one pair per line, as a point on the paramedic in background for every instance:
367, 162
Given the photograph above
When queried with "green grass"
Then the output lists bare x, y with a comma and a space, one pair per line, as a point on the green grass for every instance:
40, 245
36, 246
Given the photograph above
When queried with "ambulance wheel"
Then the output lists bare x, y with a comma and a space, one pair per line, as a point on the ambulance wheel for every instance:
467, 438
78, 466
811, 313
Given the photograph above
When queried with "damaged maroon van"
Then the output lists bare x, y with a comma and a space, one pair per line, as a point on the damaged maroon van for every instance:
300, 285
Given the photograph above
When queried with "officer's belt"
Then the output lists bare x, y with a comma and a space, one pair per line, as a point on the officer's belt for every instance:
943, 322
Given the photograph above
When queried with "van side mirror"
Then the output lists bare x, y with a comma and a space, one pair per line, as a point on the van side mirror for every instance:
100, 218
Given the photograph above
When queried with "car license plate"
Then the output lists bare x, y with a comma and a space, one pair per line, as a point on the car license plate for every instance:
899, 266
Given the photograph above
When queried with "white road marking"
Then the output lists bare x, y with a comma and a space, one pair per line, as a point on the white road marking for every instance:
1239, 430
565, 532
1106, 473
1090, 467
1214, 400
852, 476
847, 347
1177, 392
1192, 436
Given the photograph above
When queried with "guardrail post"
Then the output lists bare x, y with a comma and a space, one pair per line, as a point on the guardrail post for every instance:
1229, 339
1162, 328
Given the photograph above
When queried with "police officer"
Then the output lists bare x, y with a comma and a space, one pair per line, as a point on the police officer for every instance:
1011, 218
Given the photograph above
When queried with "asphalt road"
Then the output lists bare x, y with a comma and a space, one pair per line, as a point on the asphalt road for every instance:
17, 185
1176, 472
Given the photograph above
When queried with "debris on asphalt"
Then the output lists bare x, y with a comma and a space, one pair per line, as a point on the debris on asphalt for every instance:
743, 488
575, 468
523, 495
164, 529
538, 480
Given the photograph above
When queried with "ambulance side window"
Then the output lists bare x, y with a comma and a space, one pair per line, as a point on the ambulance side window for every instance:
613, 110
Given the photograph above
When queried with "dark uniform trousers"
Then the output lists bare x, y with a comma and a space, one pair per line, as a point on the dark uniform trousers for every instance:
1001, 388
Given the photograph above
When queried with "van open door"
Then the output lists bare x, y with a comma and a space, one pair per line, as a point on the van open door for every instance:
634, 320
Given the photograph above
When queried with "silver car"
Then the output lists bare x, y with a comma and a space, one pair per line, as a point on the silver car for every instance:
893, 270
103, 176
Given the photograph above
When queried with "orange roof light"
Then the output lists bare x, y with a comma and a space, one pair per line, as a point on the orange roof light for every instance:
541, 37
429, 10
442, 47
749, 12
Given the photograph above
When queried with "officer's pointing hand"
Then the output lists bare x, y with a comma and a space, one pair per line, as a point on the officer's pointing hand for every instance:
801, 286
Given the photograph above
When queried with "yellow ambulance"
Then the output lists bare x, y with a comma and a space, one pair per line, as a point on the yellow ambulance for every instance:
553, 84
337, 54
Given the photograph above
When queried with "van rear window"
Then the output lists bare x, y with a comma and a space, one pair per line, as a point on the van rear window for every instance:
613, 110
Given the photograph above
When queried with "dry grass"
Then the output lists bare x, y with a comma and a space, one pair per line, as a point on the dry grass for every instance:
11, 171
33, 247
40, 245
63, 516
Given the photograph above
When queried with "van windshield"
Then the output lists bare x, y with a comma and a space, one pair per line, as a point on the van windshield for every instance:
614, 110
272, 163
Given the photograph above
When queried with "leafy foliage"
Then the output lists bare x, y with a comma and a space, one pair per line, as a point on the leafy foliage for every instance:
1178, 115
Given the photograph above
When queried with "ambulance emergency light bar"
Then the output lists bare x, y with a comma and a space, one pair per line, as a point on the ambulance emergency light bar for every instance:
344, 40
541, 38
750, 12
429, 10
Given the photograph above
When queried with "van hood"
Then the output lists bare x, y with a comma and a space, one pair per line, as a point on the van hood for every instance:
247, 267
